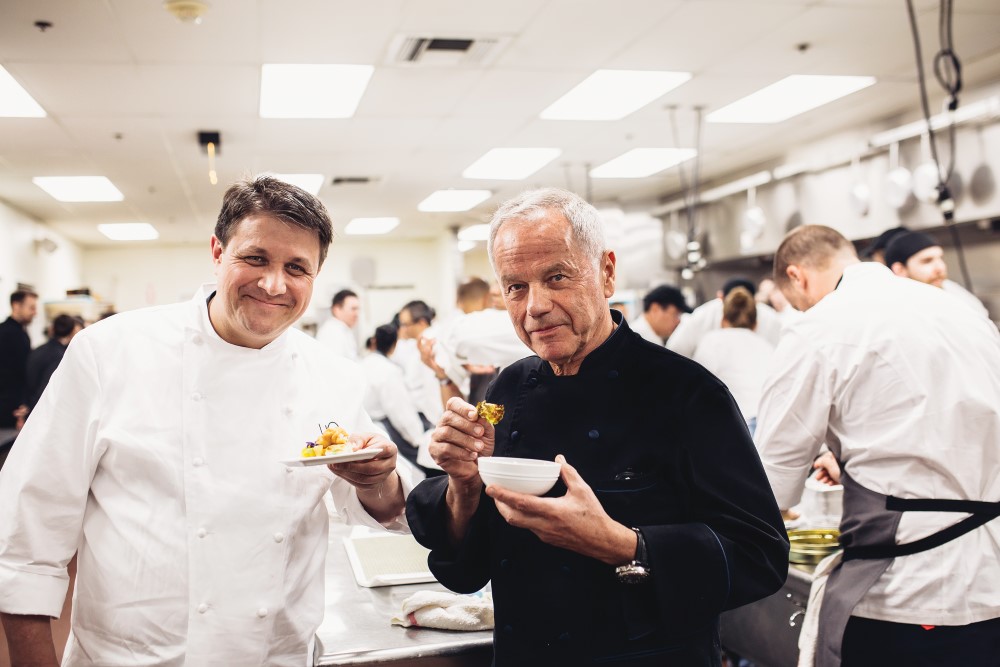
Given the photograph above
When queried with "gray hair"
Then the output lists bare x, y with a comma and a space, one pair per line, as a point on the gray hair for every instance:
584, 220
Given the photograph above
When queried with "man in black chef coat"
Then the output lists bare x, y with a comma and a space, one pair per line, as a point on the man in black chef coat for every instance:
15, 345
663, 516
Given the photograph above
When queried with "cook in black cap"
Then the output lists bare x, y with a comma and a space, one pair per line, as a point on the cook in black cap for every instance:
876, 249
662, 308
918, 256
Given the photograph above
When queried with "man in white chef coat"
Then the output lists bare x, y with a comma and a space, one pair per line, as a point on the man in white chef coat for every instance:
903, 383
155, 455
662, 309
338, 331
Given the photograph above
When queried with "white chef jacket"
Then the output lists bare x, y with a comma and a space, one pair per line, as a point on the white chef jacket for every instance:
155, 453
708, 317
424, 387
740, 358
485, 338
965, 296
641, 326
338, 337
386, 397
905, 381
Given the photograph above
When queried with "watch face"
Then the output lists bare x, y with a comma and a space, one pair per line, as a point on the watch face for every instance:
632, 574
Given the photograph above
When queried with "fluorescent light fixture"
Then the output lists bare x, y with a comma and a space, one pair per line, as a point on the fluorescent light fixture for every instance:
15, 102
311, 183
453, 200
733, 187
642, 162
474, 233
465, 246
988, 108
129, 231
510, 164
612, 94
312, 91
789, 97
371, 226
79, 188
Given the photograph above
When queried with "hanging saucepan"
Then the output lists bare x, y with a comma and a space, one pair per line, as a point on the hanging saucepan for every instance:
861, 194
898, 182
926, 177
982, 184
752, 225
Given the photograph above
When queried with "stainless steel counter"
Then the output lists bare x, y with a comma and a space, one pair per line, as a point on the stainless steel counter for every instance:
357, 629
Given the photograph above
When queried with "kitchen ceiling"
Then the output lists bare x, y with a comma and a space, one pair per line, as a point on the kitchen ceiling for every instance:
127, 87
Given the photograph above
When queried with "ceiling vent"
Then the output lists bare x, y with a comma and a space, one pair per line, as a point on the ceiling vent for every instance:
430, 51
352, 180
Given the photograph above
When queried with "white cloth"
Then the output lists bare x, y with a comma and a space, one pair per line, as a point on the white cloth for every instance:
809, 632
446, 611
903, 381
155, 452
485, 338
708, 317
965, 296
421, 381
641, 326
386, 397
741, 359
338, 337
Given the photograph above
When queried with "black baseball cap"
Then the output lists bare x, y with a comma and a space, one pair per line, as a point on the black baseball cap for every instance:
882, 240
904, 246
665, 295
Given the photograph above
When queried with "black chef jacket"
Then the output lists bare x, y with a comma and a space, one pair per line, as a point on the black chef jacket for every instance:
14, 348
42, 363
664, 447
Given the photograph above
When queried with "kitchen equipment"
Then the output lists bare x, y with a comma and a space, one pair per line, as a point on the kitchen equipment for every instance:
861, 194
898, 182
808, 547
822, 504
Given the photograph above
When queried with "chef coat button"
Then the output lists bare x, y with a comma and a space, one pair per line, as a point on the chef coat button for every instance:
508, 630
514, 435
566, 569
289, 411
262, 612
196, 340
504, 564
197, 462
565, 637
295, 355
196, 396
279, 538
202, 608
202, 532
532, 381
594, 434
612, 375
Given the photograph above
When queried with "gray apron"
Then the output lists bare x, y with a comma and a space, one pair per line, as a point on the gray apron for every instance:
868, 535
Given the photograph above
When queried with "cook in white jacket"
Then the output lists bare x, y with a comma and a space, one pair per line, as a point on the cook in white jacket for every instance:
155, 454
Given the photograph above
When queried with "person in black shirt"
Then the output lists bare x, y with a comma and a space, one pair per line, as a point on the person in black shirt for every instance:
15, 344
44, 359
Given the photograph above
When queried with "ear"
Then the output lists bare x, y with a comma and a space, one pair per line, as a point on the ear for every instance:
797, 276
217, 249
900, 269
608, 273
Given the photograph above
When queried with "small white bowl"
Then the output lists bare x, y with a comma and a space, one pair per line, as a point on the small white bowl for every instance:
529, 476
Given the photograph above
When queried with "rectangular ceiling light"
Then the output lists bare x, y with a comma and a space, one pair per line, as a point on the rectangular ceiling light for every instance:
510, 164
15, 102
371, 226
733, 187
312, 91
129, 231
79, 188
311, 183
453, 200
789, 97
642, 162
612, 94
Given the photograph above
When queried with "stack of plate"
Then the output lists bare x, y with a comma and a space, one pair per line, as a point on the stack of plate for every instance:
809, 547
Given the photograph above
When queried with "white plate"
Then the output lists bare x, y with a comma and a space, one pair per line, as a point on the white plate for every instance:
345, 457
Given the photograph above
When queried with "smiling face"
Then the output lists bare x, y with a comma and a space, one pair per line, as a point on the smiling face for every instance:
265, 279
555, 295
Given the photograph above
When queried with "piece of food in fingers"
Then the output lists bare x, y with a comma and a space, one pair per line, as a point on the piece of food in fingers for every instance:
491, 412
333, 440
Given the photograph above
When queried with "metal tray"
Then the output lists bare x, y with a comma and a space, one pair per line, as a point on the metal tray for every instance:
812, 546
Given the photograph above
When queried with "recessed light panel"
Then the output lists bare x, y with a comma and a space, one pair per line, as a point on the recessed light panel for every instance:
453, 200
642, 162
129, 231
311, 183
15, 102
612, 94
79, 188
510, 164
371, 226
474, 233
789, 97
312, 91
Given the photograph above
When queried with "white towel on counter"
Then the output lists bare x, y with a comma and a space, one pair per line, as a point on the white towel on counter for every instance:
446, 611
810, 622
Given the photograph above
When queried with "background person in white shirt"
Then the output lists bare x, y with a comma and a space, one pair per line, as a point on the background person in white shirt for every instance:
155, 453
662, 308
903, 384
415, 320
338, 331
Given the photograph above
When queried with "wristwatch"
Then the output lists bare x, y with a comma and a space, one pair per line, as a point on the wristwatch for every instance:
637, 570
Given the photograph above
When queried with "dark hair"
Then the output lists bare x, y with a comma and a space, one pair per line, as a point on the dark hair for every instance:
340, 297
20, 295
473, 288
266, 194
419, 310
664, 296
738, 281
810, 245
385, 337
739, 308
63, 325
